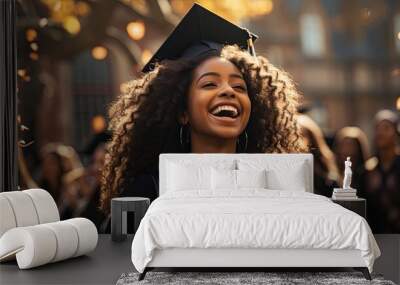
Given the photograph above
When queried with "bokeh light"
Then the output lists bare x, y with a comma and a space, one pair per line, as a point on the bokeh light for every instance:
34, 56
31, 35
136, 30
99, 52
34, 46
43, 22
99, 124
71, 25
21, 72
235, 11
146, 56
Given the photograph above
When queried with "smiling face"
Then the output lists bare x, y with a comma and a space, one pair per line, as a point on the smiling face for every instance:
218, 105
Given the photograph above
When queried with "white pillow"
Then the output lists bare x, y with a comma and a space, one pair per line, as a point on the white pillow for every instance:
281, 175
251, 178
223, 179
181, 177
294, 180
193, 174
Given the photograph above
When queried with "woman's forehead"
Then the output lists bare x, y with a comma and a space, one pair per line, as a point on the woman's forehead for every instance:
385, 124
216, 65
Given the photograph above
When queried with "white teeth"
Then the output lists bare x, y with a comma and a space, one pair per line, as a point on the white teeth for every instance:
225, 107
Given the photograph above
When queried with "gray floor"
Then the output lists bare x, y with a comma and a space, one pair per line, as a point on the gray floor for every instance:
389, 262
110, 260
103, 266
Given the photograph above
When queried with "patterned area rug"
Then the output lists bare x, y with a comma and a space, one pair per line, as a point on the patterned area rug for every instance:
229, 278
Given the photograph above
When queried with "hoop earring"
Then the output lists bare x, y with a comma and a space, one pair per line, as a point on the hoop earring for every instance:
181, 135
184, 139
239, 142
246, 140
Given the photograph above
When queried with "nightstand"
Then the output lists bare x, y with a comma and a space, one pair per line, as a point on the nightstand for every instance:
357, 205
119, 208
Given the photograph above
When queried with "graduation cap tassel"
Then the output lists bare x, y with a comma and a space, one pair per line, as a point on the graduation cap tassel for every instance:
252, 50
250, 45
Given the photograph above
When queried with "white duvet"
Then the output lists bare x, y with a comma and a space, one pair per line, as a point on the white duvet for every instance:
256, 218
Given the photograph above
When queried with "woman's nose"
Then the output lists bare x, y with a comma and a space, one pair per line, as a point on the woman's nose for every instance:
227, 91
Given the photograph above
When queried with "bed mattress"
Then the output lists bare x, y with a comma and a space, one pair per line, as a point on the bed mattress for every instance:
250, 219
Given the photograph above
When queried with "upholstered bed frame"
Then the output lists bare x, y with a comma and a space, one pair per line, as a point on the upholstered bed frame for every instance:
251, 258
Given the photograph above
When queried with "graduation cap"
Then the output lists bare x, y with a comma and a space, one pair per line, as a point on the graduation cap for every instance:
199, 33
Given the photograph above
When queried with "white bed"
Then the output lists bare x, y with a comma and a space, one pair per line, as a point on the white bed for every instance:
232, 226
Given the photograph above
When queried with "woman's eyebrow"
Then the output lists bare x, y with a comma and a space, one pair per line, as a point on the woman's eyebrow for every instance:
208, 74
236, 75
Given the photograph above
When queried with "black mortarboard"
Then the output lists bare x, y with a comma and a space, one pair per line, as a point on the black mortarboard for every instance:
199, 32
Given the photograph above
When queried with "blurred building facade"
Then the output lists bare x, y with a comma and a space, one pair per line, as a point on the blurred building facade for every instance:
344, 55
75, 57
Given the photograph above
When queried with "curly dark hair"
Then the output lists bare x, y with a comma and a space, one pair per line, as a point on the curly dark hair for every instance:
145, 123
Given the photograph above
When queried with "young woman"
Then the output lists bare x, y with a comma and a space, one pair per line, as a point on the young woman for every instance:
219, 101
383, 175
325, 171
352, 142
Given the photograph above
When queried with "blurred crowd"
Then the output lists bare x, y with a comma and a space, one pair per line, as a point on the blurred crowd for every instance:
376, 175
75, 188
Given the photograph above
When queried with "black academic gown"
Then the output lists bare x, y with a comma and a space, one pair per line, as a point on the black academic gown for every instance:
145, 185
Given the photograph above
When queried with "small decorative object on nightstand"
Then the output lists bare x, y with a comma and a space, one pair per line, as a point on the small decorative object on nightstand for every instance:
347, 196
345, 193
357, 205
119, 207
347, 174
